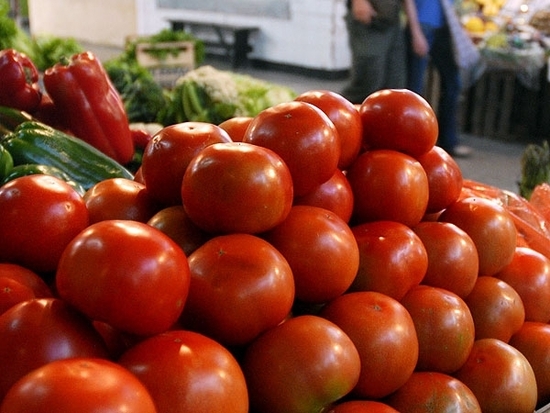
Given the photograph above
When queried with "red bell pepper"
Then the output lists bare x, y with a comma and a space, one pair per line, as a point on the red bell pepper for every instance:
19, 87
90, 104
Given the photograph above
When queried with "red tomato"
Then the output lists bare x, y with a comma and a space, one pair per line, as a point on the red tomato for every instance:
445, 333
335, 195
429, 391
86, 385
303, 365
500, 376
240, 287
453, 263
533, 341
384, 335
38, 331
188, 372
392, 260
345, 118
18, 284
444, 178
388, 185
119, 198
175, 223
303, 136
321, 250
39, 215
167, 155
398, 119
497, 309
529, 274
236, 127
237, 187
114, 270
362, 406
490, 226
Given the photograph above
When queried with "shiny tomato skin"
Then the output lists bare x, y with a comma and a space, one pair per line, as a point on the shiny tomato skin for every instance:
398, 119
453, 262
529, 274
113, 270
500, 377
321, 251
430, 391
175, 223
533, 341
490, 226
388, 185
236, 127
303, 136
39, 331
345, 118
39, 215
237, 187
444, 178
384, 335
86, 385
335, 195
392, 258
18, 284
188, 372
119, 198
445, 333
241, 285
303, 365
168, 153
497, 309
362, 406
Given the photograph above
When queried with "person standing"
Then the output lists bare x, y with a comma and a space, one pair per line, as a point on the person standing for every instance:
378, 47
430, 41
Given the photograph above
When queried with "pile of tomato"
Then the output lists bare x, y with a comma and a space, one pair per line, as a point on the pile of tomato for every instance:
319, 257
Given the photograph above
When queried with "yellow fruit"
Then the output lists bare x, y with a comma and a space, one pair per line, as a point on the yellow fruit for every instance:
475, 24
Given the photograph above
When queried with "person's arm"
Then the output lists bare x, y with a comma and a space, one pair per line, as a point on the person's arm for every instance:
419, 43
362, 11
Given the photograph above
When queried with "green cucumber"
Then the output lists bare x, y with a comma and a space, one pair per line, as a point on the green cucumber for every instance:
35, 169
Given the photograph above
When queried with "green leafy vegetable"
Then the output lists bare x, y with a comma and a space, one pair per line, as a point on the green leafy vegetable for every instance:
535, 168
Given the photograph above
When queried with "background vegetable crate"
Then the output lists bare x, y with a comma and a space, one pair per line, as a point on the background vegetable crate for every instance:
179, 59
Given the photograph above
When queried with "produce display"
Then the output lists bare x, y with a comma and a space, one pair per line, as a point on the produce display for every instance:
287, 254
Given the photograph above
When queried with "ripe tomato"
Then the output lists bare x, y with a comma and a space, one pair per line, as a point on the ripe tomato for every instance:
445, 332
119, 198
497, 309
321, 250
491, 228
345, 118
361, 406
237, 187
430, 391
86, 385
39, 215
453, 263
114, 270
529, 274
500, 376
533, 341
388, 185
384, 335
303, 136
18, 284
444, 178
335, 195
398, 119
240, 286
303, 365
236, 127
188, 372
392, 259
175, 223
167, 155
38, 331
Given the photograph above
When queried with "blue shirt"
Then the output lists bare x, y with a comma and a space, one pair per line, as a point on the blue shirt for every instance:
430, 12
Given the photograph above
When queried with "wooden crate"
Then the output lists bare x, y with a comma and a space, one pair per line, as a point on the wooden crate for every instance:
167, 70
